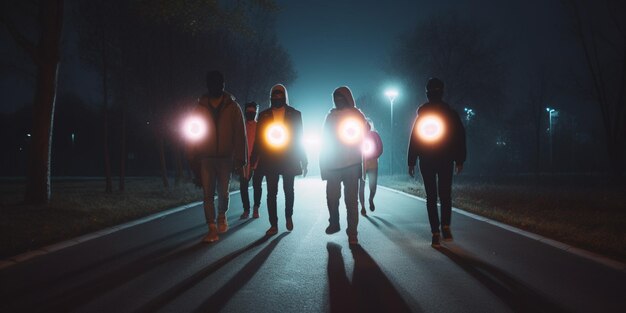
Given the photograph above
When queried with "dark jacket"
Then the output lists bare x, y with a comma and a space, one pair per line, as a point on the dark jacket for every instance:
287, 161
451, 147
226, 132
335, 154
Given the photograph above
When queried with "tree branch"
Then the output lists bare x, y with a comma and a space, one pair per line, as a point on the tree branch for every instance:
21, 40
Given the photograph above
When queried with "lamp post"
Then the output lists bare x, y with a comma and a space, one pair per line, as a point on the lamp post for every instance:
551, 113
391, 94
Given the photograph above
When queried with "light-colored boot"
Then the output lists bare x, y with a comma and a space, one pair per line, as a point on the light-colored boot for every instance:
212, 235
222, 223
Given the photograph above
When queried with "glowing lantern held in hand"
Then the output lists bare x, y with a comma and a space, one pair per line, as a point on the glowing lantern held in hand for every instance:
194, 128
277, 136
430, 128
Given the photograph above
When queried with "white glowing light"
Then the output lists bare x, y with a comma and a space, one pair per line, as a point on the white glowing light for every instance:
277, 136
194, 128
312, 142
368, 147
430, 128
351, 131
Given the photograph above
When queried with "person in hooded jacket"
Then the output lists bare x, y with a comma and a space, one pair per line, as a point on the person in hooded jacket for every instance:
279, 151
222, 150
372, 150
341, 160
439, 156
250, 113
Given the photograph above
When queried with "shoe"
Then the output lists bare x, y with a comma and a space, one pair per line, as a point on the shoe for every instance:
372, 206
289, 224
353, 240
436, 240
222, 223
255, 212
447, 233
245, 214
332, 228
272, 231
212, 235
363, 211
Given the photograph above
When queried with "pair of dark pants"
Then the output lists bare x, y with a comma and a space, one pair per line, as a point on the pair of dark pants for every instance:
437, 176
215, 172
272, 192
244, 183
372, 176
350, 177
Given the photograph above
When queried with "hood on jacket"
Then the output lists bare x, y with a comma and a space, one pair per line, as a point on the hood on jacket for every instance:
347, 94
283, 89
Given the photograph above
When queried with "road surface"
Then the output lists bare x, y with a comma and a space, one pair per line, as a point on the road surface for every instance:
161, 266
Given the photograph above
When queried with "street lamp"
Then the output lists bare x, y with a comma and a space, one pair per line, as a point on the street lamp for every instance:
391, 94
551, 113
469, 113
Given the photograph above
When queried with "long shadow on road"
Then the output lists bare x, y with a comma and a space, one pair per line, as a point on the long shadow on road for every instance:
87, 291
173, 292
518, 296
370, 291
218, 300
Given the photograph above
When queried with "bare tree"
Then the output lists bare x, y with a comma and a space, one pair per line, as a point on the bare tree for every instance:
600, 28
467, 57
45, 53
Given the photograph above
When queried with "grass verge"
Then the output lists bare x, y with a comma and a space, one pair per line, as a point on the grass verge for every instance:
585, 212
79, 207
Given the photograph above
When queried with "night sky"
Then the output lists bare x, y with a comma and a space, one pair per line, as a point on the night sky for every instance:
335, 43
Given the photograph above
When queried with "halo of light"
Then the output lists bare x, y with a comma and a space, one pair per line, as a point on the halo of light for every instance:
194, 128
351, 131
430, 128
276, 135
367, 148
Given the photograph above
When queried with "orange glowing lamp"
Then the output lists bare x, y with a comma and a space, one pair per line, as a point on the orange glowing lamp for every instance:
351, 131
194, 128
277, 136
430, 128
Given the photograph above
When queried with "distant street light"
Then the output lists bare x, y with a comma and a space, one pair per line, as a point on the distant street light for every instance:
551, 113
469, 113
391, 94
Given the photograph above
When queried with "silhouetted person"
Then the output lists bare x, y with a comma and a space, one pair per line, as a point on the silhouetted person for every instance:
438, 139
250, 113
221, 150
372, 150
279, 152
341, 160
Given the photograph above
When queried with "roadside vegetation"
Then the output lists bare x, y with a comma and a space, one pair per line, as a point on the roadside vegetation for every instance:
586, 212
79, 207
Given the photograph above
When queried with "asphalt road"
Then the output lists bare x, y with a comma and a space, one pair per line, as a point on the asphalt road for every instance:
162, 266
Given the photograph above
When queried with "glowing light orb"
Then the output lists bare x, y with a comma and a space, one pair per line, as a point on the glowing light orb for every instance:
194, 128
430, 128
368, 147
277, 136
351, 131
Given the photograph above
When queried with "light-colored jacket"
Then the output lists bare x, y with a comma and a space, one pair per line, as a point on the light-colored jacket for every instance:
226, 132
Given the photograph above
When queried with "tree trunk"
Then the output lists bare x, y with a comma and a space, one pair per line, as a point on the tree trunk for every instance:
46, 56
161, 147
179, 165
105, 99
123, 155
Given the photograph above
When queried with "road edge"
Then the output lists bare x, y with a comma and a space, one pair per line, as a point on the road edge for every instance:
592, 256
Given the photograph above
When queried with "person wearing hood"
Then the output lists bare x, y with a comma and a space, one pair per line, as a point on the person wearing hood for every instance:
341, 160
250, 113
221, 150
279, 151
438, 139
372, 150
